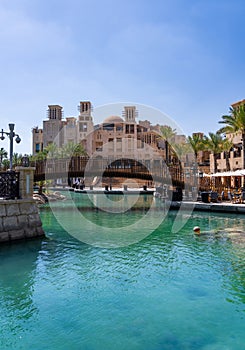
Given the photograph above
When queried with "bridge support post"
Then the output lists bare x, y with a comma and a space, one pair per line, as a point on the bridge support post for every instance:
26, 181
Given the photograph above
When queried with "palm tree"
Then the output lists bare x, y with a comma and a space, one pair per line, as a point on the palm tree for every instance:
235, 123
17, 159
5, 164
214, 143
3, 155
51, 150
196, 143
180, 150
40, 156
71, 149
227, 145
167, 134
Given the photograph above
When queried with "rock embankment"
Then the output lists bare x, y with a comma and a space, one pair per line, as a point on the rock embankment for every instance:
45, 198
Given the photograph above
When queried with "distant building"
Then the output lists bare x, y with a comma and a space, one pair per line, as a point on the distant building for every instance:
237, 104
53, 127
37, 140
235, 154
116, 137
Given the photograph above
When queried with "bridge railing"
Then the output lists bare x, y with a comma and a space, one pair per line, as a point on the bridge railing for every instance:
9, 185
83, 166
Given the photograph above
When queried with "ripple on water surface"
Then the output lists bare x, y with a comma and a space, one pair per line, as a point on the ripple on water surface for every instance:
168, 291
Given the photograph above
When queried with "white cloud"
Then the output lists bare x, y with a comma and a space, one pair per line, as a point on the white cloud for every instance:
25, 36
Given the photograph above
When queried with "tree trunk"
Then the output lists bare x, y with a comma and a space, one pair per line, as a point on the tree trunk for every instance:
228, 168
243, 145
215, 162
215, 169
167, 152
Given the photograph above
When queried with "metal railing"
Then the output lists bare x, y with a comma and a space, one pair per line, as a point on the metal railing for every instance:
9, 185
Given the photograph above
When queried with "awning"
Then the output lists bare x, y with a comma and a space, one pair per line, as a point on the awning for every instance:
228, 173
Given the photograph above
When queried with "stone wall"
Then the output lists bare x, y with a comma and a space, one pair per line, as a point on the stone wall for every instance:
19, 219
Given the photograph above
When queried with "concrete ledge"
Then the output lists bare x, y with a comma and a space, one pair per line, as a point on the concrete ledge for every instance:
211, 207
102, 191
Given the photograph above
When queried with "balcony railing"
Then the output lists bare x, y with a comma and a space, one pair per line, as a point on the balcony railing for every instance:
9, 185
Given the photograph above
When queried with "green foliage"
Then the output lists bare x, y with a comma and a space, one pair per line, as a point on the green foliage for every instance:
196, 143
3, 156
71, 149
17, 157
216, 143
167, 134
5, 164
180, 150
235, 123
68, 150
51, 151
213, 142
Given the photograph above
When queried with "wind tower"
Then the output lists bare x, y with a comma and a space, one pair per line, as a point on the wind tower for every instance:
52, 128
85, 125
129, 114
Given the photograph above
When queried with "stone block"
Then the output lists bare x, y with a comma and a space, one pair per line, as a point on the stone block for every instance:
16, 234
40, 231
12, 209
2, 209
30, 232
22, 221
34, 232
34, 220
4, 237
10, 223
1, 224
28, 208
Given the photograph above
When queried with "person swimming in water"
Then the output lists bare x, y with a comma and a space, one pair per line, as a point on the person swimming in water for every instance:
213, 233
197, 230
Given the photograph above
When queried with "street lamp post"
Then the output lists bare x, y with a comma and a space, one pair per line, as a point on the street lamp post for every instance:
11, 134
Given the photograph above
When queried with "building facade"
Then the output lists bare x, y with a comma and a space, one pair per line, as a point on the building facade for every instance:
37, 140
233, 159
116, 136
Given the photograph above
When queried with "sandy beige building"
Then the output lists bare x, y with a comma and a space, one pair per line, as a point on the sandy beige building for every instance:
235, 155
116, 136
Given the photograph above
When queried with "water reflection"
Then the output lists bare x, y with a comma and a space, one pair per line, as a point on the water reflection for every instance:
134, 217
18, 263
170, 290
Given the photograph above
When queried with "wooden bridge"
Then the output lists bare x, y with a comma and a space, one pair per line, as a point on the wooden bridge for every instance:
85, 167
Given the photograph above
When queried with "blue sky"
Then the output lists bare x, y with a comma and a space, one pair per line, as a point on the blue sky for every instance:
183, 57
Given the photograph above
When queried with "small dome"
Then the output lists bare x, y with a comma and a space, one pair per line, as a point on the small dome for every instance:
113, 119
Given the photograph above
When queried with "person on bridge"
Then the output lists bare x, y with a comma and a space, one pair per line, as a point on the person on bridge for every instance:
77, 183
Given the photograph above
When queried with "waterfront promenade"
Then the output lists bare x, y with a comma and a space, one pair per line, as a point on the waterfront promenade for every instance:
222, 207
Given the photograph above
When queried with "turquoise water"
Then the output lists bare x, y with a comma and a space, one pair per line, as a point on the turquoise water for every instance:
167, 291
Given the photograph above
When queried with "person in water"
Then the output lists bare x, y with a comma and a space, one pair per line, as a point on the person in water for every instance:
197, 230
